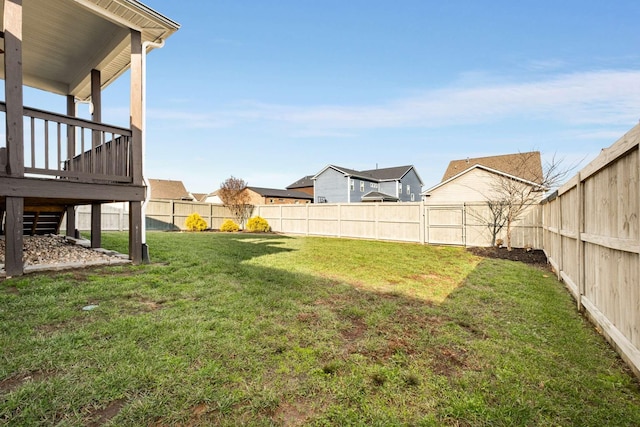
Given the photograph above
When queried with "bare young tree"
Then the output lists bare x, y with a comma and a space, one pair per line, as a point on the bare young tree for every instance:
494, 217
236, 199
526, 186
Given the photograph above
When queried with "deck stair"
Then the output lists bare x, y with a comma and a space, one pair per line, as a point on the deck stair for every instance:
42, 220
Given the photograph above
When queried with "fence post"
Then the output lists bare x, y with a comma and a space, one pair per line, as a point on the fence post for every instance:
339, 220
422, 225
464, 224
579, 231
560, 242
307, 205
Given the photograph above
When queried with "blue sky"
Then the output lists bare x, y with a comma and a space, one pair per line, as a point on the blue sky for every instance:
270, 91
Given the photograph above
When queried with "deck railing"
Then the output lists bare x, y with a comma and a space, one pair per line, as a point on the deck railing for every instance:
63, 147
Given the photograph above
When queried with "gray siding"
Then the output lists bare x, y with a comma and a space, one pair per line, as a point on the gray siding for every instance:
412, 180
369, 186
389, 187
332, 186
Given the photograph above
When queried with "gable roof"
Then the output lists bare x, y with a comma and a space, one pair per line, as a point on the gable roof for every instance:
303, 182
199, 196
376, 196
274, 192
385, 174
168, 190
527, 166
392, 174
428, 191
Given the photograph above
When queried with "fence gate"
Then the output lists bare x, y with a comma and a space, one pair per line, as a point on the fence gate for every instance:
445, 225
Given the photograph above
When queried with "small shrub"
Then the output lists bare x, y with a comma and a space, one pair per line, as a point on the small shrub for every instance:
195, 222
258, 224
229, 226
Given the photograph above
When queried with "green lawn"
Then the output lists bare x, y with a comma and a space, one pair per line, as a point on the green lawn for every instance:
240, 329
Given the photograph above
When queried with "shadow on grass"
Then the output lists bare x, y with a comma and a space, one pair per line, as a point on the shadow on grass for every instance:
210, 338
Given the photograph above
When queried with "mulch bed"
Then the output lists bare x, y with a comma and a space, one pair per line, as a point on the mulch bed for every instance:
533, 256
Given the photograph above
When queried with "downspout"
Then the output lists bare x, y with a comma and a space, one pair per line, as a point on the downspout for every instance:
147, 196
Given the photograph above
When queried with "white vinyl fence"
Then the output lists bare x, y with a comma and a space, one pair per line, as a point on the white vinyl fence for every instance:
417, 222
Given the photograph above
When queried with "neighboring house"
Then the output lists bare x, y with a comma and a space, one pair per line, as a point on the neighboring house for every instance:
335, 184
475, 179
304, 184
273, 196
72, 49
166, 189
199, 197
213, 198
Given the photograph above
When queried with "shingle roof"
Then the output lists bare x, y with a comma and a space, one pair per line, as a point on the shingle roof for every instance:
274, 192
168, 189
393, 173
527, 166
199, 196
376, 195
384, 174
305, 181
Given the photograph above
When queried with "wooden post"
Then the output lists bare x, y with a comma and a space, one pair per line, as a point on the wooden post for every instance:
96, 116
580, 243
135, 232
560, 239
13, 236
12, 26
71, 144
136, 106
13, 87
96, 225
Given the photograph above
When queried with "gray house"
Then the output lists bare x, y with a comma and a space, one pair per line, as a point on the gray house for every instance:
335, 184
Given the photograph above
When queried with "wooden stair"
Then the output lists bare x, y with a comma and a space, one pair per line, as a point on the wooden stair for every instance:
38, 220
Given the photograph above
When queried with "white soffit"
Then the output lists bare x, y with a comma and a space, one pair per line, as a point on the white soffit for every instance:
63, 40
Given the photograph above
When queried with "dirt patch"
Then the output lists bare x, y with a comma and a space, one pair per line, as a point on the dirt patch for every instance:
10, 384
293, 414
534, 257
102, 416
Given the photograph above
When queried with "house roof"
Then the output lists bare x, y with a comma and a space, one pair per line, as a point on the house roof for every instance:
527, 166
376, 196
274, 192
385, 174
166, 189
428, 191
305, 181
199, 196
62, 37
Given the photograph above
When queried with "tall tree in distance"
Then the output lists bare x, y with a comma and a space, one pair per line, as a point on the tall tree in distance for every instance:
236, 199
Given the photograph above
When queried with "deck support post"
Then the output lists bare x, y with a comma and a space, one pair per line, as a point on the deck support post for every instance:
14, 133
13, 264
71, 145
135, 232
136, 105
96, 116
96, 225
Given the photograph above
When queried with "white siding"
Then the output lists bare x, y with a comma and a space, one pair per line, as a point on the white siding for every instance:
473, 186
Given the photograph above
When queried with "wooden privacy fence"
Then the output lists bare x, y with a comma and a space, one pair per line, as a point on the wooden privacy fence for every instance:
456, 224
592, 239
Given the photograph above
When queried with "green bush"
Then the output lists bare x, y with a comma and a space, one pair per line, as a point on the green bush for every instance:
258, 224
195, 222
229, 226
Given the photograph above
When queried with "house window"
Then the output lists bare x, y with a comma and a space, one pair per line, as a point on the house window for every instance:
400, 187
413, 197
362, 186
408, 189
352, 183
270, 200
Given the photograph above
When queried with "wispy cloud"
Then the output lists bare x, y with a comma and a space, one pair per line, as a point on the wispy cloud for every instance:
577, 99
